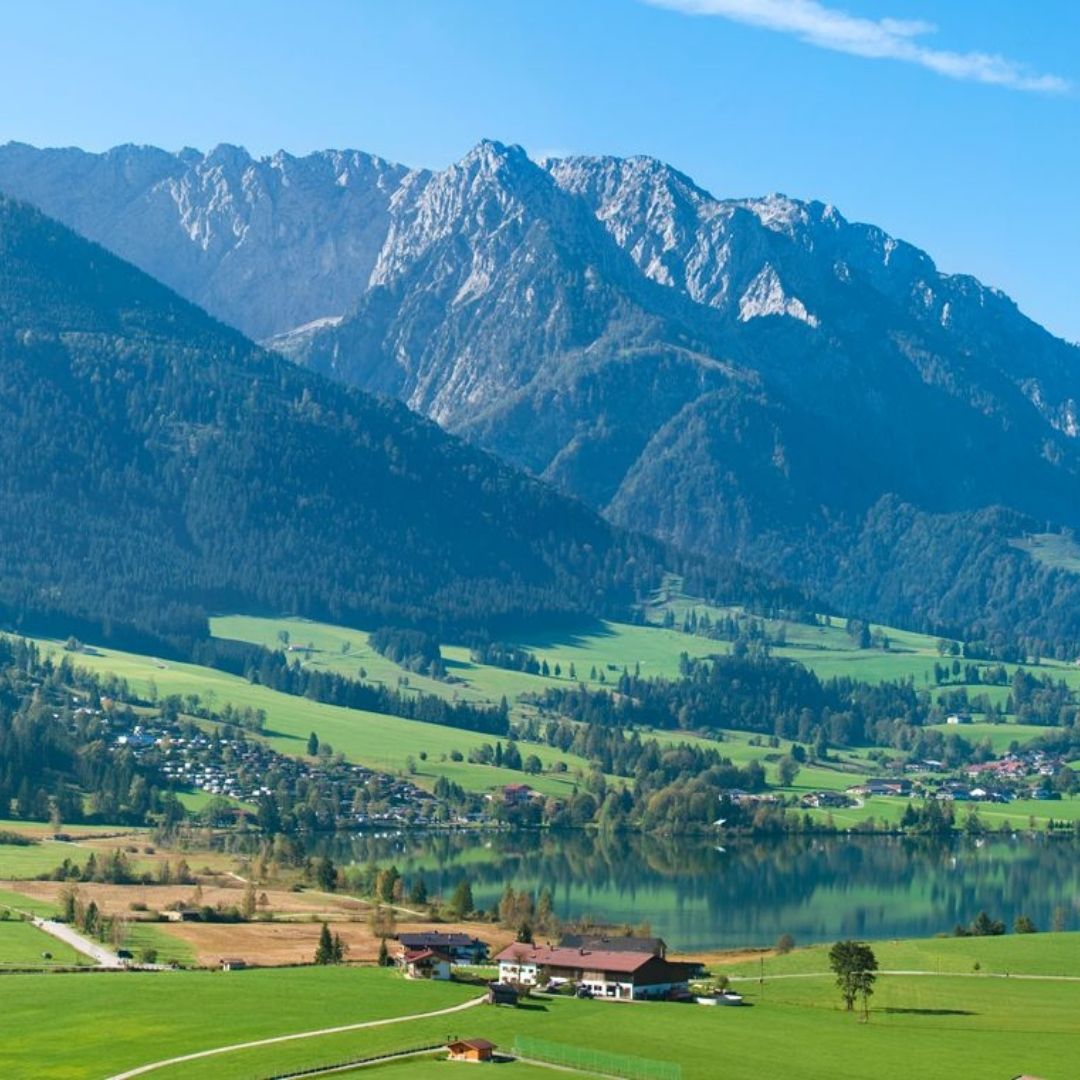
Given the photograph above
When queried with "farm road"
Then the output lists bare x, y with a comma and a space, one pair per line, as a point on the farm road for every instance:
98, 953
142, 1069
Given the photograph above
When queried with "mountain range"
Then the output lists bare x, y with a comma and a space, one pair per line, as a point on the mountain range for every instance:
748, 377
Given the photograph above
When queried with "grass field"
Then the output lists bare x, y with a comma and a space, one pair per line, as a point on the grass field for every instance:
1033, 954
41, 858
113, 1021
23, 945
1052, 549
936, 1025
18, 902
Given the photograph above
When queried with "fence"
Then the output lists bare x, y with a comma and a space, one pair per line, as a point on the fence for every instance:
340, 1066
598, 1061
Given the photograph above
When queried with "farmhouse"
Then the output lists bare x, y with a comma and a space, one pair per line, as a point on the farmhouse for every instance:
882, 786
426, 964
608, 973
458, 948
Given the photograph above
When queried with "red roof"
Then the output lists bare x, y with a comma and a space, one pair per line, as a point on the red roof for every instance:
423, 954
593, 959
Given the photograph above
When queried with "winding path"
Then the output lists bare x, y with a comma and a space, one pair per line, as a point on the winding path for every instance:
199, 1054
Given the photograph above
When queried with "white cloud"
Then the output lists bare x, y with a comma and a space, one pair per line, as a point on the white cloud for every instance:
892, 39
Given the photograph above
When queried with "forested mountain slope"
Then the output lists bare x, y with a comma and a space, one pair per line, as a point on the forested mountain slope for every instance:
155, 464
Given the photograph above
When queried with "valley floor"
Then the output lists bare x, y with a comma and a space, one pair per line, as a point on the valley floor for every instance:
951, 1021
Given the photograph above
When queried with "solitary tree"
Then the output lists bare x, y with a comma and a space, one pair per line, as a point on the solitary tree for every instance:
1024, 925
854, 964
324, 950
313, 744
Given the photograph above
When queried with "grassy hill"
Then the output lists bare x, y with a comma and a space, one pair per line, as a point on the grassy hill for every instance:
604, 647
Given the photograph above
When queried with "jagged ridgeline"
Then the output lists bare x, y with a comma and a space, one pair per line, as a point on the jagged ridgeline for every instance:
155, 465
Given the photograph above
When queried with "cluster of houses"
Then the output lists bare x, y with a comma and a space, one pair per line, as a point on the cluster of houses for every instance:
615, 968
1020, 775
241, 768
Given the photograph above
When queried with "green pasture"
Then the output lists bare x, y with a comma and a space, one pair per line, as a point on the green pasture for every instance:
1000, 736
936, 1025
1051, 549
1020, 814
18, 862
607, 646
23, 945
17, 902
1032, 954
148, 935
113, 1021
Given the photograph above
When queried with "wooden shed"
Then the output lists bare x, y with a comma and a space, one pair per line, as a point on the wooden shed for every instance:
471, 1050
501, 994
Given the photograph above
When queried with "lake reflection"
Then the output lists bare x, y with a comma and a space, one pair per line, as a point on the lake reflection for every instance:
698, 895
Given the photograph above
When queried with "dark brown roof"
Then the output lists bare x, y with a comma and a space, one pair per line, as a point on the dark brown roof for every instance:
613, 943
433, 939
472, 1044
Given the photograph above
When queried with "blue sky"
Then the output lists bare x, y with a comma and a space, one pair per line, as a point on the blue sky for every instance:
954, 125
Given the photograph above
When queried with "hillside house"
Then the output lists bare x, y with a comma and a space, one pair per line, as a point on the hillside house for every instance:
426, 964
517, 794
607, 973
458, 948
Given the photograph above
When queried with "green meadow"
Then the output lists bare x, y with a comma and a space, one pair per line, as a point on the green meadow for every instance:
23, 945
18, 862
16, 902
113, 1021
953, 1022
1032, 954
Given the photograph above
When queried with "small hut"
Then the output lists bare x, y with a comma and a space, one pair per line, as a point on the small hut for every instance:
470, 1050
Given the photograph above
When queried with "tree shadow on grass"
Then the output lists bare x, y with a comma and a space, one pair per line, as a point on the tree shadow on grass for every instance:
531, 1006
927, 1012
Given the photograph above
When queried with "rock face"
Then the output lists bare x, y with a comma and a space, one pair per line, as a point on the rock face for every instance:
750, 376
265, 245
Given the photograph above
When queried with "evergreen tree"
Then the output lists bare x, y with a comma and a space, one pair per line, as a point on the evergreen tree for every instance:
324, 950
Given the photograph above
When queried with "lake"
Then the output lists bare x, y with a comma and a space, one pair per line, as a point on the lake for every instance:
698, 894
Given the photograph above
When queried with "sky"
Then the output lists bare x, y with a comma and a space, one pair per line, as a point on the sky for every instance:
954, 125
